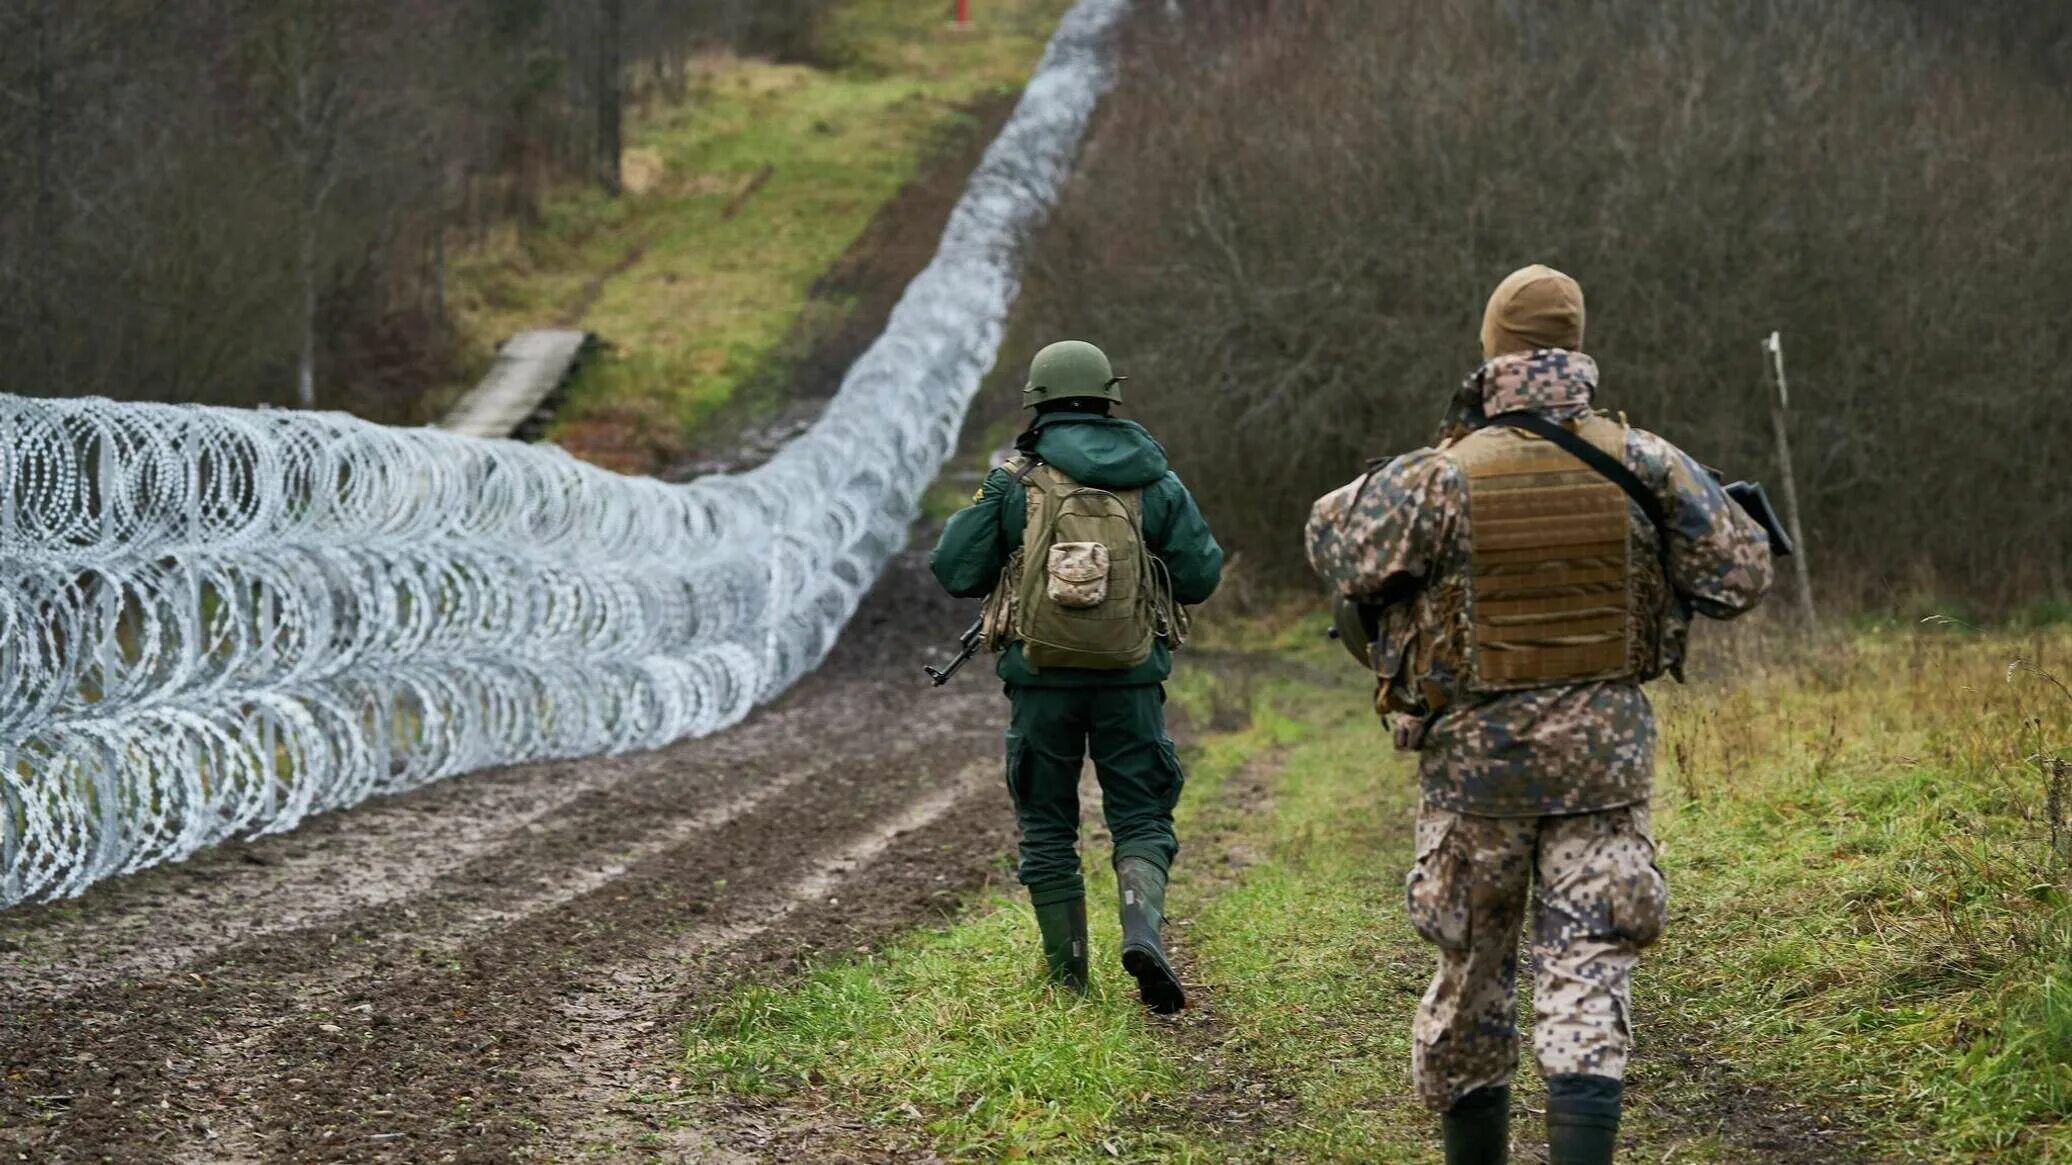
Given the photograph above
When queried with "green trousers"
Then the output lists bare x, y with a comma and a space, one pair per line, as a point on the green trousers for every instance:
1048, 739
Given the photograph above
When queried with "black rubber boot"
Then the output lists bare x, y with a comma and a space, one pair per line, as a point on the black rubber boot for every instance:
1582, 1119
1063, 925
1478, 1127
1142, 887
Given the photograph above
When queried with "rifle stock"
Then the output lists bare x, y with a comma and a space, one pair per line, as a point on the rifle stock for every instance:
1755, 503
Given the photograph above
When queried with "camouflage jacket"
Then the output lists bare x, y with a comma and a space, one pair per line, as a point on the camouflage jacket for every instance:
1569, 749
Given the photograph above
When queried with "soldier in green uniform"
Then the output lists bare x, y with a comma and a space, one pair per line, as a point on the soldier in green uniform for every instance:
1088, 548
1524, 576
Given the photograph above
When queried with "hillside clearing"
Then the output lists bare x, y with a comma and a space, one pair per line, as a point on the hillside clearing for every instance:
738, 200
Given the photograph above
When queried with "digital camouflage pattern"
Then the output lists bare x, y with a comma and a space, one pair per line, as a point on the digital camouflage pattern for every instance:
1399, 536
1600, 900
1546, 381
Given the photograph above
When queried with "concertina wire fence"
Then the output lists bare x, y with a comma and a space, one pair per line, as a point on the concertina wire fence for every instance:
216, 622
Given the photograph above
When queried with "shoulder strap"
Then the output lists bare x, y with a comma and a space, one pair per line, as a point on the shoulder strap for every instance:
1030, 464
1610, 468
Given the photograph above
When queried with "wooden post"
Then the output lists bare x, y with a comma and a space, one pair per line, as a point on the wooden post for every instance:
1773, 345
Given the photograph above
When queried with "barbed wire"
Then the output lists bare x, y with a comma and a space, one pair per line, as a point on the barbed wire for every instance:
216, 622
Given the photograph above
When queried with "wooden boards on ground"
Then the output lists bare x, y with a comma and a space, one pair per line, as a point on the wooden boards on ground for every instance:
529, 369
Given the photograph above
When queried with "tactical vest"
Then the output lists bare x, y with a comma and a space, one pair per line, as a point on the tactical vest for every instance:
1555, 589
1083, 590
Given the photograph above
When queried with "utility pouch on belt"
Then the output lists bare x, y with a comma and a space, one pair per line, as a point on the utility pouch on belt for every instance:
1554, 594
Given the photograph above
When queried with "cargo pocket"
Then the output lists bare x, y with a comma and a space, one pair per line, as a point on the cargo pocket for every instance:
1017, 769
1640, 894
1435, 895
1176, 777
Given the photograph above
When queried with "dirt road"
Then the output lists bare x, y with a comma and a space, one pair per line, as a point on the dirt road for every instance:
491, 967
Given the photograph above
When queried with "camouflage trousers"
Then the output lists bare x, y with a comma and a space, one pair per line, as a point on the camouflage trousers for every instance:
1596, 898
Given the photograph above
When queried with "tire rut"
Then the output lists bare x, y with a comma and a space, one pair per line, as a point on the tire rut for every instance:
623, 1054
423, 1000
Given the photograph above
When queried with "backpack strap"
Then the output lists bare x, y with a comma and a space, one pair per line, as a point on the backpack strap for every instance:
997, 617
1023, 466
1608, 467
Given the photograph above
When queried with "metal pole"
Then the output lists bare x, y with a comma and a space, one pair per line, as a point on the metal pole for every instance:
963, 13
1773, 345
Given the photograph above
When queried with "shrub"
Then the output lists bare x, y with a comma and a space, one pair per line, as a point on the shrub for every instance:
1288, 222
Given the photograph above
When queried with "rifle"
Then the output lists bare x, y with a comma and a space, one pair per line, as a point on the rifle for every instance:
967, 646
1755, 503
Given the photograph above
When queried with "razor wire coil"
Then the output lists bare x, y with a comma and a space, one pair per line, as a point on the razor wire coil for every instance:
215, 622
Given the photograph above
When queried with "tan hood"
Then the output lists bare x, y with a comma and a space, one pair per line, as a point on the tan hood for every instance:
1534, 307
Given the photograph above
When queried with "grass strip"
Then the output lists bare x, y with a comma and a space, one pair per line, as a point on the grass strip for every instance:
738, 198
950, 1037
1870, 941
1867, 904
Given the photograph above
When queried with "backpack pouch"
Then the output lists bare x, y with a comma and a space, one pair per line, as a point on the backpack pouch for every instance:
1078, 574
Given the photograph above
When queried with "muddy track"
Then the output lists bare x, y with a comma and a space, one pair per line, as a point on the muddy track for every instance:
489, 968
493, 967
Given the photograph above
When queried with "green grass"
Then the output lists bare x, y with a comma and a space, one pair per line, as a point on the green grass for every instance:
1312, 974
952, 1037
1866, 898
1868, 922
692, 302
944, 1031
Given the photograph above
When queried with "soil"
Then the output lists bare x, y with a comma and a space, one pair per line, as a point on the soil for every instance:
495, 966
498, 966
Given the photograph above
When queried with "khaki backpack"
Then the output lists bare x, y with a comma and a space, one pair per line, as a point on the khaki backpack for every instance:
1083, 591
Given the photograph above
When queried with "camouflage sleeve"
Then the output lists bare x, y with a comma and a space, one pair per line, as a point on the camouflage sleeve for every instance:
1719, 557
1386, 532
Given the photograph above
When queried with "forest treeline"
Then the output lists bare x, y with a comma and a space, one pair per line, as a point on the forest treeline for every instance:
250, 201
1292, 212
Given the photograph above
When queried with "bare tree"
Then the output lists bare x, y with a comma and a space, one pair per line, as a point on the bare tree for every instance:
226, 200
1290, 217
610, 100
299, 51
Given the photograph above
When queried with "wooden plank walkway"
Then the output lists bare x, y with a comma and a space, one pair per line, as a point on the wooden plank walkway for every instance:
529, 368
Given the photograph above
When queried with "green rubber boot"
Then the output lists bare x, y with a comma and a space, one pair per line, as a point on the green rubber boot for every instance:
1142, 886
1063, 926
1478, 1127
1582, 1119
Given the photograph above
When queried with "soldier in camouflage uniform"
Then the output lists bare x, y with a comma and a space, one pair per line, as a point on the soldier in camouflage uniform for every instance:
1531, 786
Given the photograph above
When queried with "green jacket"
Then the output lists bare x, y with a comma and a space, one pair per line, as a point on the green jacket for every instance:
1108, 453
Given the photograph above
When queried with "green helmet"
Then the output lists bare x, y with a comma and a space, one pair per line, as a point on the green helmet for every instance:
1071, 368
